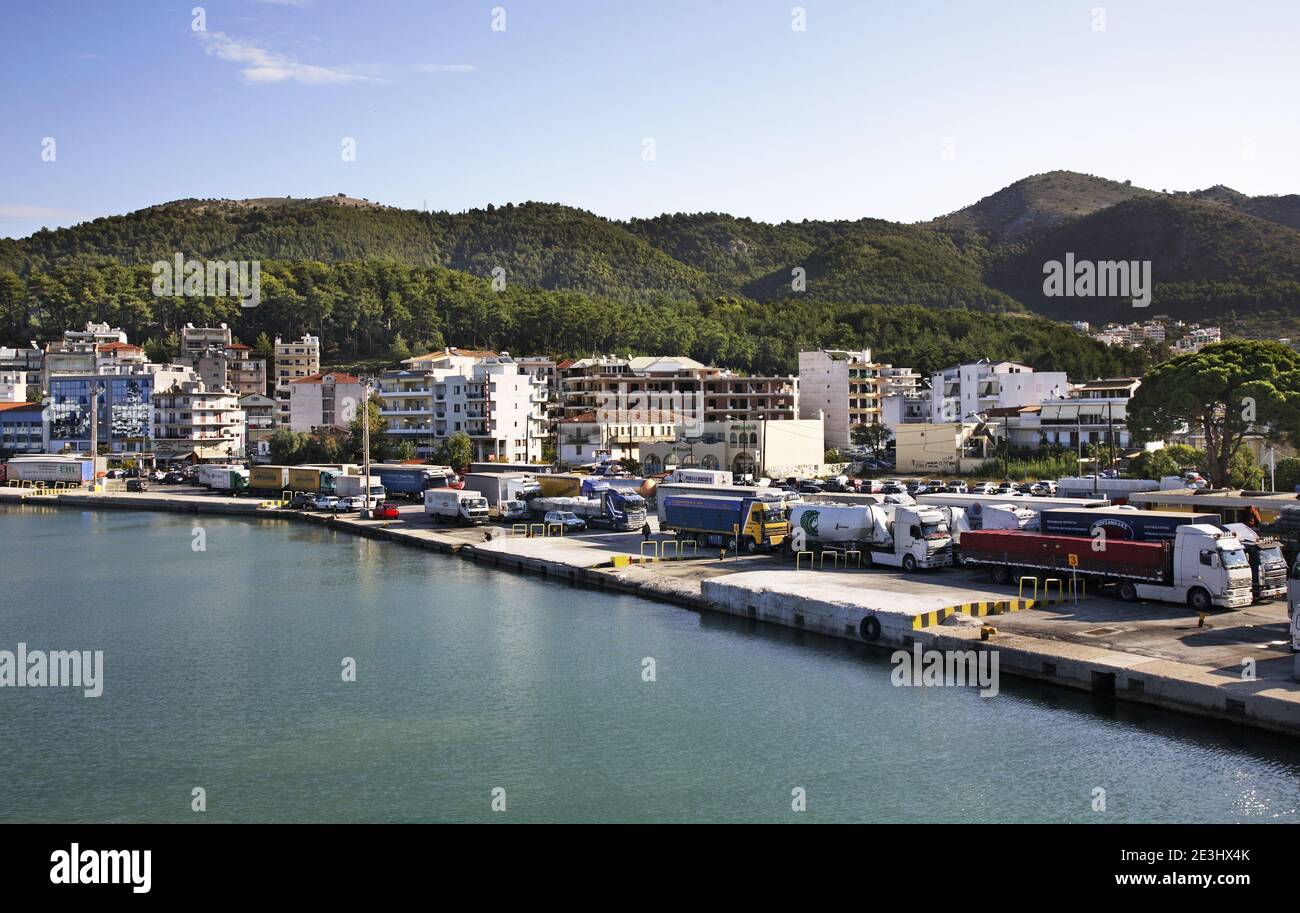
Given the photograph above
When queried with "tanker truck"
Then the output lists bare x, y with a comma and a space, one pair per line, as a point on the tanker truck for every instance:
913, 538
615, 508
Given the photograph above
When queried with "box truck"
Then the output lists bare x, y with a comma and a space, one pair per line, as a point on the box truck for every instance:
892, 535
268, 479
455, 505
1202, 566
220, 477
410, 480
743, 521
315, 479
355, 487
499, 488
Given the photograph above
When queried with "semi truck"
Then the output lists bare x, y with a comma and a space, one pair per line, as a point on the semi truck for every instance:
763, 492
223, 477
892, 535
50, 469
1268, 571
315, 479
1125, 524
456, 505
611, 507
742, 521
1202, 566
411, 480
698, 477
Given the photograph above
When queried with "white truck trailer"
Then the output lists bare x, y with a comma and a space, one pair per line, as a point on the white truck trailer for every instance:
455, 505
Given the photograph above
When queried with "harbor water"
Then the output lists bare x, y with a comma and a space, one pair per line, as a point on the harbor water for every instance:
226, 642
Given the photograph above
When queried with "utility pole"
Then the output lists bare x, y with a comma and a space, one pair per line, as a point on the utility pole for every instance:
94, 437
1110, 431
1272, 468
365, 451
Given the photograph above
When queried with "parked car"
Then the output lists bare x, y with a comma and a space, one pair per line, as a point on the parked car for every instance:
385, 511
356, 502
571, 522
892, 488
324, 502
301, 501
810, 488
173, 478
137, 485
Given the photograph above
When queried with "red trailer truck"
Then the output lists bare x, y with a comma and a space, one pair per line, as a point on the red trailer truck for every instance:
1202, 566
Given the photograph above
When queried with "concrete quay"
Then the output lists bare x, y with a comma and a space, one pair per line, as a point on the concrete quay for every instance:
1236, 666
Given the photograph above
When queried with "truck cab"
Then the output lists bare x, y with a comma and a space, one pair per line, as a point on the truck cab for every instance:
1211, 567
915, 538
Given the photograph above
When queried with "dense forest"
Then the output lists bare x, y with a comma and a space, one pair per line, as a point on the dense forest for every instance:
375, 309
374, 281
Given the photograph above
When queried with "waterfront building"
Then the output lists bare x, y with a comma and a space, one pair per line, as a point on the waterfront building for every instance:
293, 361
591, 437
22, 429
330, 400
488, 397
780, 449
124, 416
675, 384
192, 422
848, 388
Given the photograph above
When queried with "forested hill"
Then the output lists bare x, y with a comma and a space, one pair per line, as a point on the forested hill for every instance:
718, 287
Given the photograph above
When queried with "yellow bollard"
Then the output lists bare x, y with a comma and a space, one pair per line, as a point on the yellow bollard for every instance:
654, 547
1047, 589
852, 551
695, 547
835, 558
1020, 593
799, 557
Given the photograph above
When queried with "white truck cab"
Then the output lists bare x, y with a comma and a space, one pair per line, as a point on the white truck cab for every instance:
1209, 568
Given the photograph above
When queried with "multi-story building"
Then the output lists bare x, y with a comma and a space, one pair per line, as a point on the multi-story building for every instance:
293, 361
22, 429
848, 389
124, 423
259, 425
13, 385
591, 437
220, 362
741, 446
191, 421
500, 407
674, 384
964, 391
1197, 338
23, 364
330, 400
1095, 412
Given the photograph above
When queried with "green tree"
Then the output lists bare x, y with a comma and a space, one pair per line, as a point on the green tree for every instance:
456, 451
404, 450
1288, 474
380, 444
288, 448
875, 437
1224, 391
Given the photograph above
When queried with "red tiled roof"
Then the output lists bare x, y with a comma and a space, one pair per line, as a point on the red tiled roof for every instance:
239, 345
117, 347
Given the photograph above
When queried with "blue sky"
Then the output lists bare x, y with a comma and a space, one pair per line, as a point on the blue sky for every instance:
901, 110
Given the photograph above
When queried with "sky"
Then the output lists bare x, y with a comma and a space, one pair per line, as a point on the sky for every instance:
904, 110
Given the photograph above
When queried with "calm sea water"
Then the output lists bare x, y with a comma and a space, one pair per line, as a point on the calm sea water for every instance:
223, 671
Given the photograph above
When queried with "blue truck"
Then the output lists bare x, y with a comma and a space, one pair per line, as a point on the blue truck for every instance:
748, 522
1121, 524
410, 481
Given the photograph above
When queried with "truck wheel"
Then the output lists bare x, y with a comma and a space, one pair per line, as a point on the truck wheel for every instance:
1001, 573
909, 564
1128, 591
750, 546
867, 560
1199, 600
957, 559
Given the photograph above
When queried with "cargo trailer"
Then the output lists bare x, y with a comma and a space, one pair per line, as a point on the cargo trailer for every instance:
738, 521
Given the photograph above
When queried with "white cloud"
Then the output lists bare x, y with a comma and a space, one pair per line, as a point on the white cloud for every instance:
23, 212
445, 68
260, 65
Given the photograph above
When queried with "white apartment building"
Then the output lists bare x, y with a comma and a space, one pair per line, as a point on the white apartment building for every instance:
960, 392
293, 361
1075, 415
591, 437
25, 363
324, 401
13, 386
190, 419
847, 389
486, 396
